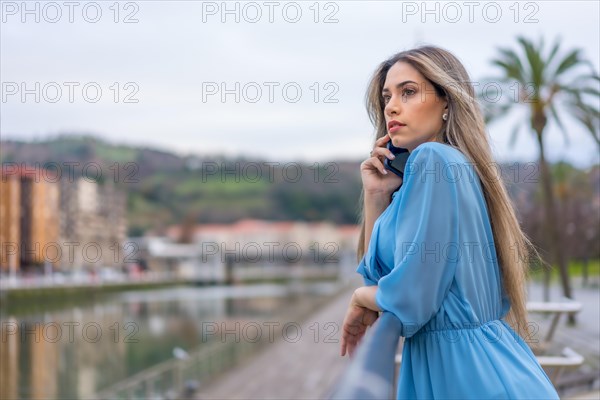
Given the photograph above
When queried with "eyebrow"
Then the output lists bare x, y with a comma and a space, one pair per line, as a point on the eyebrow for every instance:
398, 86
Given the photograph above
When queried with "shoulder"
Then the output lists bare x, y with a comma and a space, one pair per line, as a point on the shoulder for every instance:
436, 151
434, 158
431, 177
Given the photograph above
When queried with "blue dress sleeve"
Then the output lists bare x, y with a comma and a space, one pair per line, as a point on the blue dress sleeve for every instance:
364, 269
426, 244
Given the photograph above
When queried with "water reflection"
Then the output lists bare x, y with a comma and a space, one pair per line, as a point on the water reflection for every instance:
79, 350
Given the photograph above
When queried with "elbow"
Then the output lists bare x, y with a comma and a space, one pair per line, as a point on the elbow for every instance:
412, 314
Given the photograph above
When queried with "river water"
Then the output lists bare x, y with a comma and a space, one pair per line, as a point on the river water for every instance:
80, 349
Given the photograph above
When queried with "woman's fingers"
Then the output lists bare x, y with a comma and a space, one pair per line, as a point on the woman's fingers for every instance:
344, 348
382, 140
378, 151
348, 348
355, 324
376, 163
370, 318
349, 341
381, 149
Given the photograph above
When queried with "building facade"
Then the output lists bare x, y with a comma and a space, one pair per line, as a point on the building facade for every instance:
92, 224
10, 215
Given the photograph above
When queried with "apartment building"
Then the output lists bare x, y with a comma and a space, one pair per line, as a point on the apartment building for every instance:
29, 214
10, 215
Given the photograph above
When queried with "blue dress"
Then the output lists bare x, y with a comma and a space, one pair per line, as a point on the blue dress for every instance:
432, 255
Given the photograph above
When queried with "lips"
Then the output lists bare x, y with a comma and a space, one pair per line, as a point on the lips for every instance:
392, 124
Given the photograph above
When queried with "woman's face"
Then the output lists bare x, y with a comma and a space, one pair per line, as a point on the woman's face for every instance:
411, 99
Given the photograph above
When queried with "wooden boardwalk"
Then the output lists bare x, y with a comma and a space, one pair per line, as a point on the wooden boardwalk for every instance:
290, 369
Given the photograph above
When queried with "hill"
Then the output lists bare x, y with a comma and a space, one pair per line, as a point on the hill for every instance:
165, 188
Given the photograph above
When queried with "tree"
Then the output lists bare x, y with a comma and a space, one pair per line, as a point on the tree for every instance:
546, 84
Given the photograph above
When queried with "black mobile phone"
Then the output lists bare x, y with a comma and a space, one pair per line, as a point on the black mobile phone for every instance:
398, 164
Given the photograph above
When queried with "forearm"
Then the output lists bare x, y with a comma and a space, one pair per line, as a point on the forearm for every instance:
365, 297
375, 204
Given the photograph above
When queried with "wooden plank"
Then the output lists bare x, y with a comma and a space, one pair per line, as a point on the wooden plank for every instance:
554, 307
569, 358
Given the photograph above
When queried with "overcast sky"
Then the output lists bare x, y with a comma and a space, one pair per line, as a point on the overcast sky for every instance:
174, 59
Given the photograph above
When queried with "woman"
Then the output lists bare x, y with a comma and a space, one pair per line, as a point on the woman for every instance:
444, 250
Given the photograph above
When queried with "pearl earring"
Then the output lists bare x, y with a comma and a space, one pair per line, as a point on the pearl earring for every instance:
445, 116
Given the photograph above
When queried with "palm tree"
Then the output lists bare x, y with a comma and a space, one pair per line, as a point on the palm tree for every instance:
546, 84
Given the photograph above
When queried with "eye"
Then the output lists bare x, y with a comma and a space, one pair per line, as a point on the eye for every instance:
408, 92
386, 99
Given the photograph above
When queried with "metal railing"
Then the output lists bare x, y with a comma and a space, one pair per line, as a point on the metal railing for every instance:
372, 373
173, 378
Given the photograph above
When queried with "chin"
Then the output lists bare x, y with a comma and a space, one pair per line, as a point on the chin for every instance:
410, 144
400, 142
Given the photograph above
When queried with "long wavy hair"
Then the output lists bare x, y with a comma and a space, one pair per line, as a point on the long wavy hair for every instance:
465, 130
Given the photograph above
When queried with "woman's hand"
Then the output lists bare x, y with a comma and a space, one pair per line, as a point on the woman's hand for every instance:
375, 178
355, 325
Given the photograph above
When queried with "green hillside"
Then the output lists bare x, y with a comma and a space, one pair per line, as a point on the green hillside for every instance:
164, 188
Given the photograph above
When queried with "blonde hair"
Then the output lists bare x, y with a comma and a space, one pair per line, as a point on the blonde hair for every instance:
465, 131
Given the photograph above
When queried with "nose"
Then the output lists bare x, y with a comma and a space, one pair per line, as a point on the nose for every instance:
392, 107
